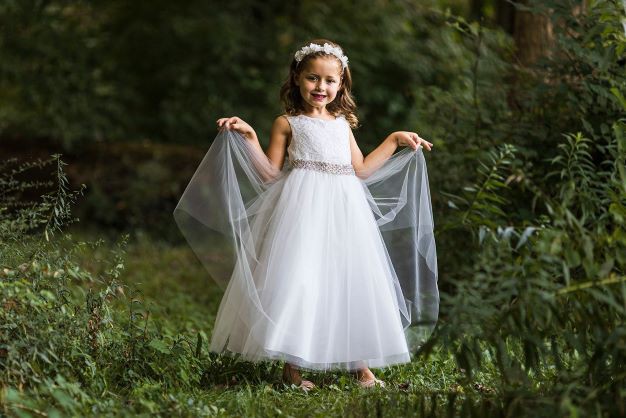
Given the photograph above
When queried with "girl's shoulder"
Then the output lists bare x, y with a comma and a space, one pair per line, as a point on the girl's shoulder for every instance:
283, 120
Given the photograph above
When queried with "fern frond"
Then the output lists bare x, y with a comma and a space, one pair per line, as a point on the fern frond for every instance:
581, 186
484, 196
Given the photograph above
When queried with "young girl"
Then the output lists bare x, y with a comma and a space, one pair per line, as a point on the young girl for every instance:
327, 258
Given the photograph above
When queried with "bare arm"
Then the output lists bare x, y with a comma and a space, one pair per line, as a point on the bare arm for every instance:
364, 166
279, 139
268, 163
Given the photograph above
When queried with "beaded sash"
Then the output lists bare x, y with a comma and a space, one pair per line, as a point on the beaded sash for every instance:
324, 166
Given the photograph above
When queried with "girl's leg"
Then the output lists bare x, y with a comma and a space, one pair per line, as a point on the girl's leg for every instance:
292, 375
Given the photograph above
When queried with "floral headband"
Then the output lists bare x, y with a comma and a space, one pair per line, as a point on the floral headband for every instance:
327, 48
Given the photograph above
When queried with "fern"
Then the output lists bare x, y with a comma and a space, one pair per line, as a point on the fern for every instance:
580, 179
482, 202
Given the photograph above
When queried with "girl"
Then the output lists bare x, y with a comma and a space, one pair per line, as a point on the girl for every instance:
328, 258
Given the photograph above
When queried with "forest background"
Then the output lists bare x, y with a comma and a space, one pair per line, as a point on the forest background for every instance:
107, 108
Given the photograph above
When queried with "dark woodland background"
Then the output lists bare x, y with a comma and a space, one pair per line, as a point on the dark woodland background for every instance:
107, 108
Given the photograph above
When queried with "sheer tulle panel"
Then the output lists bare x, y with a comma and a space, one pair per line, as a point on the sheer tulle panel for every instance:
212, 213
399, 196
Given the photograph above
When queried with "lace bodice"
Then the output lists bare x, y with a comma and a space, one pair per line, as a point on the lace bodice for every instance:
316, 139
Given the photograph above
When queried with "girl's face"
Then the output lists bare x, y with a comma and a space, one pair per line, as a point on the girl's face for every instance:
319, 82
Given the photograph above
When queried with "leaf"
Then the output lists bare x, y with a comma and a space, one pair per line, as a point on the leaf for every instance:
619, 96
44, 357
527, 232
48, 295
160, 346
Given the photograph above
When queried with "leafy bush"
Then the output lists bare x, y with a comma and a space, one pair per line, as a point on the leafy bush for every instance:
67, 333
540, 291
533, 248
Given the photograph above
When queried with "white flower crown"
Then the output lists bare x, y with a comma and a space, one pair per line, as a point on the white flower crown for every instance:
327, 48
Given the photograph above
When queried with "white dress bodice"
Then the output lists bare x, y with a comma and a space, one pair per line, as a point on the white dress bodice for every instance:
315, 139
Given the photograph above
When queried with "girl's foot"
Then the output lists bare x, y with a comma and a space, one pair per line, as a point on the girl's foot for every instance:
366, 379
292, 376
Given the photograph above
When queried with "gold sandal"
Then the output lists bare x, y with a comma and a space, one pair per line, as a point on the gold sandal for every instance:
371, 383
305, 385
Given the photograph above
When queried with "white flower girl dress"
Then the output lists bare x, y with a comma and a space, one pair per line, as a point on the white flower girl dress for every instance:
322, 267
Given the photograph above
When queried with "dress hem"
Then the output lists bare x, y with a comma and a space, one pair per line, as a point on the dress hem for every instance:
303, 364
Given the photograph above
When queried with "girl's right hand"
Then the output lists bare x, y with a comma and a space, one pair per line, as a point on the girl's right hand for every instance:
410, 139
237, 124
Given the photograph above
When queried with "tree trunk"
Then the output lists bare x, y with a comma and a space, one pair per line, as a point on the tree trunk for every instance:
533, 36
505, 16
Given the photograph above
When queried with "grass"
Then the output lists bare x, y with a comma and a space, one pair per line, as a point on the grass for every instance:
180, 301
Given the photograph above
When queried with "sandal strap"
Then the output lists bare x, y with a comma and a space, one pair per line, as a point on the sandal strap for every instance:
372, 382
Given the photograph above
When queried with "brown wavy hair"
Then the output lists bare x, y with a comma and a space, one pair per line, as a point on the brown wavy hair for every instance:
342, 105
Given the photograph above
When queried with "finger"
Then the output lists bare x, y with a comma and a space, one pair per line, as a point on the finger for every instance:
424, 142
222, 121
232, 121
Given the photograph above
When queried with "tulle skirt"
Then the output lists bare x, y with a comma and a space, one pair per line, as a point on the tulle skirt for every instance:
323, 277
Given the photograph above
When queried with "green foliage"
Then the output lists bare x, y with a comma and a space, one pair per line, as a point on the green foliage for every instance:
531, 230
19, 216
55, 77
66, 332
482, 201
78, 339
542, 296
109, 71
546, 305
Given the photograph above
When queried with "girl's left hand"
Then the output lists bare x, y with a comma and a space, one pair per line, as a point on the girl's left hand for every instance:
237, 124
411, 139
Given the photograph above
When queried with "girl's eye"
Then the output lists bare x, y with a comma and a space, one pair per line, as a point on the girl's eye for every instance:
313, 78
